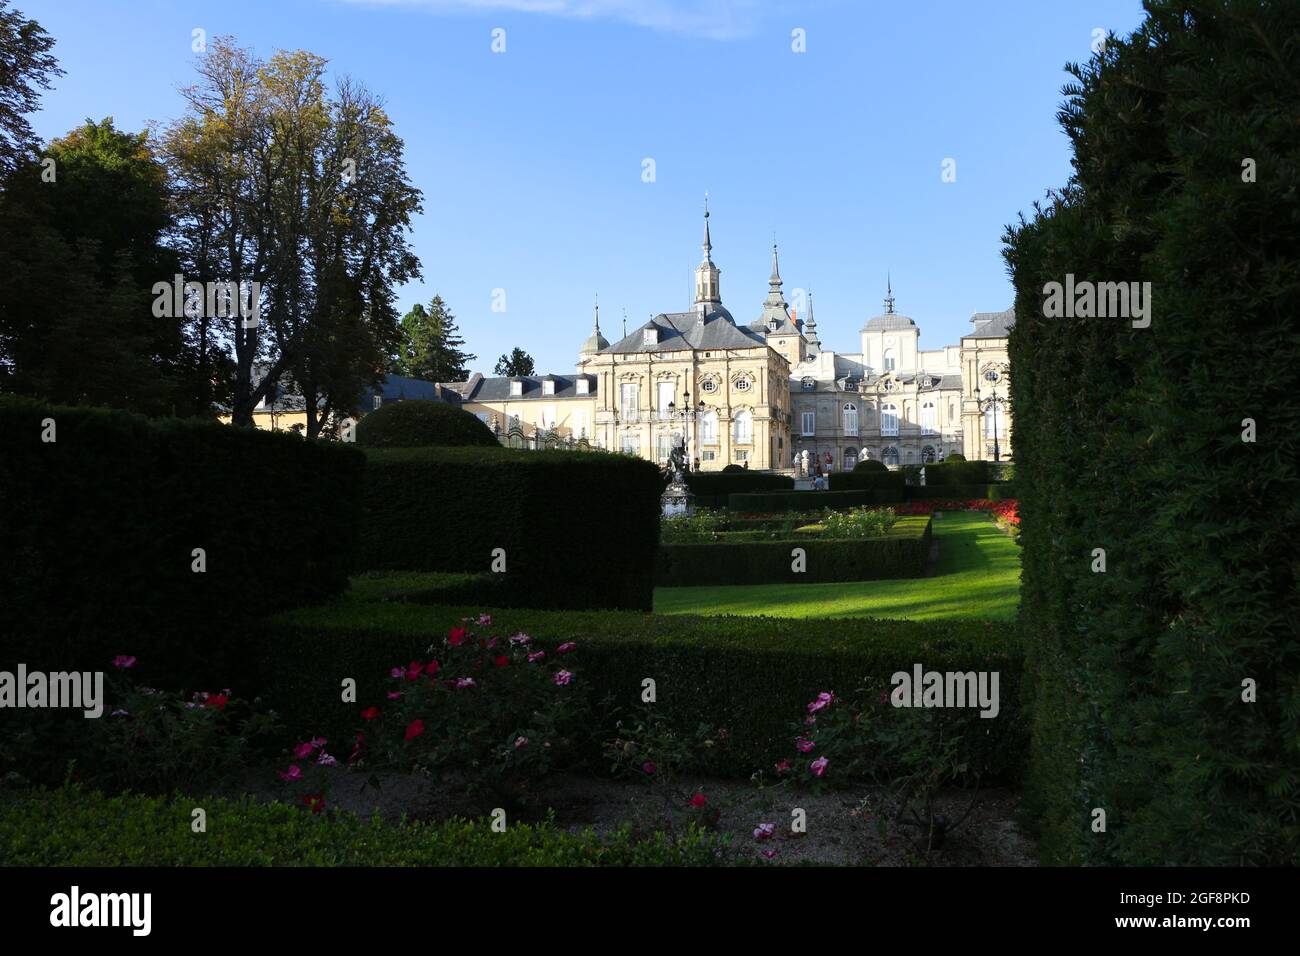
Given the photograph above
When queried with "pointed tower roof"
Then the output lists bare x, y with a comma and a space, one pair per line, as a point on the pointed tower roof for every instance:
810, 325
888, 320
775, 309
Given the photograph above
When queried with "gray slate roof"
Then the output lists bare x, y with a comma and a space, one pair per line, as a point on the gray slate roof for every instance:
889, 320
683, 330
497, 389
992, 325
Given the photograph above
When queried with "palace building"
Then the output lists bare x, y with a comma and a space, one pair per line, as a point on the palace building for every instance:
766, 394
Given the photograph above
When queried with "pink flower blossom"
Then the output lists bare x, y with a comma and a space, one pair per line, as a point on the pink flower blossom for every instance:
370, 713
431, 668
823, 701
804, 745
809, 720
764, 831
769, 854
783, 767
536, 656
396, 672
394, 694
649, 768
302, 751
457, 636
520, 638
562, 678
294, 773
566, 647
124, 661
698, 800
318, 742
414, 728
818, 766
484, 620
464, 682
521, 742
325, 760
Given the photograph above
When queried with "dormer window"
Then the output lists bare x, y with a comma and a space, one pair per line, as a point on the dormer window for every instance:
650, 336
807, 384
584, 386
773, 325
516, 388
548, 386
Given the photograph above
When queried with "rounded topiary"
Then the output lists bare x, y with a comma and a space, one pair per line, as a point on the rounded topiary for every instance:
419, 422
733, 467
870, 464
955, 456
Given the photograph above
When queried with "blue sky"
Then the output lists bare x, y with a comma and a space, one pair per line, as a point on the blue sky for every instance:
531, 160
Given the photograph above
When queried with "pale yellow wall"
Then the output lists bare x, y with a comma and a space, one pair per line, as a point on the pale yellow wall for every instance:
977, 356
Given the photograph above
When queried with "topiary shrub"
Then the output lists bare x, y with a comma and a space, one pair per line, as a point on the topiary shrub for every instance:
870, 464
417, 424
955, 456
733, 468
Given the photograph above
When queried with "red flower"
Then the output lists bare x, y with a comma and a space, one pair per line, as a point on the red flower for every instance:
218, 701
431, 668
414, 728
413, 670
501, 661
698, 800
314, 800
456, 636
370, 713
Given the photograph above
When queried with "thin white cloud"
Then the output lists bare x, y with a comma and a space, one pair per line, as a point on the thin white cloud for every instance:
714, 19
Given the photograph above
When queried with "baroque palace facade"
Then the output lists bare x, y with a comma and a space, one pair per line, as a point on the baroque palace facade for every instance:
766, 395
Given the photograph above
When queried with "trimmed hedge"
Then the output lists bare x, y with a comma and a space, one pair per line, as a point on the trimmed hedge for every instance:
1131, 440
420, 423
579, 529
752, 675
886, 486
949, 472
993, 492
99, 525
75, 827
797, 501
903, 553
721, 484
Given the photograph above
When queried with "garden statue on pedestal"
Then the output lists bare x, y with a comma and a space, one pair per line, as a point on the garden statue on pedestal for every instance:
677, 497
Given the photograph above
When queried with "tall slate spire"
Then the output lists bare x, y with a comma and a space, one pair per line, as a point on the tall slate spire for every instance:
708, 294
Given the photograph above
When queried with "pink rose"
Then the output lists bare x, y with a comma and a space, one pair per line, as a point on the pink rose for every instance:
566, 647
295, 773
521, 742
521, 638
124, 661
649, 768
536, 656
464, 682
302, 751
562, 678
823, 701
764, 831
818, 766
803, 745
783, 767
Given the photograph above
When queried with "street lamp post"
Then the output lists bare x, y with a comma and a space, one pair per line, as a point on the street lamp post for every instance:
686, 415
992, 402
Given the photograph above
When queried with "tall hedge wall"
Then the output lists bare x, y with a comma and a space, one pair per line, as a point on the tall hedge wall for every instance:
99, 527
579, 529
752, 675
1131, 440
901, 554
778, 501
723, 483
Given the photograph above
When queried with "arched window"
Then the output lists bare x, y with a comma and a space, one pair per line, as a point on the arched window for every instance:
742, 427
929, 418
889, 419
891, 360
850, 458
995, 421
850, 418
928, 454
890, 456
709, 428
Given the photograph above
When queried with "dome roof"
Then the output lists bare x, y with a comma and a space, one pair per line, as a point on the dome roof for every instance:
595, 343
890, 321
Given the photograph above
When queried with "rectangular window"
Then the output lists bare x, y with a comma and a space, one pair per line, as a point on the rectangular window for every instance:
584, 386
516, 388
630, 443
548, 387
742, 456
663, 447
810, 423
707, 456
664, 396
629, 400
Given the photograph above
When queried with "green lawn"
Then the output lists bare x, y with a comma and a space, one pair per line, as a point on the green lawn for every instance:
978, 576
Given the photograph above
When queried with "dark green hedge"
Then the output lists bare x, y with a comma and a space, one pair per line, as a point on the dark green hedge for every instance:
993, 492
421, 423
579, 529
1131, 440
720, 484
75, 827
751, 675
797, 501
888, 487
958, 473
98, 529
901, 554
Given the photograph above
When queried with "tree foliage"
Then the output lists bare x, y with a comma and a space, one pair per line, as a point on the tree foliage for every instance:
1130, 449
26, 67
431, 345
518, 362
